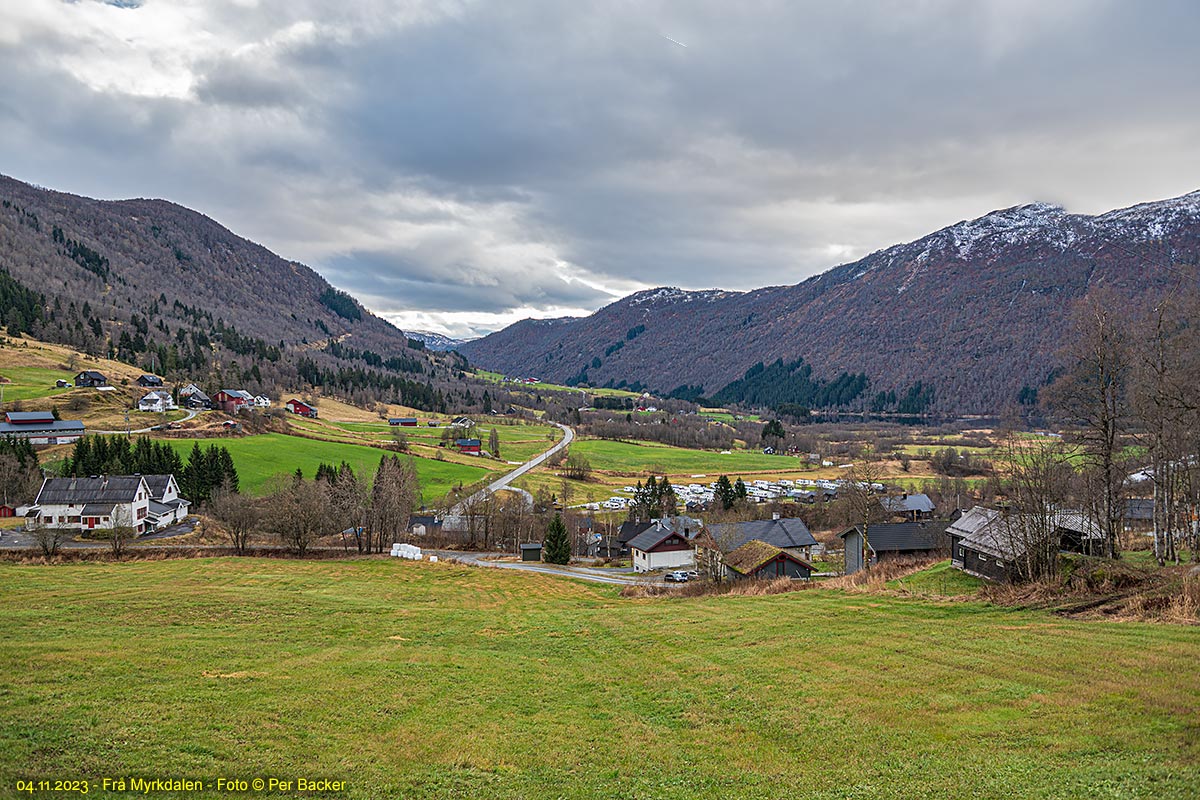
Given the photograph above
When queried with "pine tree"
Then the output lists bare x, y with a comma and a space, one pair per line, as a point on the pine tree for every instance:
725, 493
557, 547
667, 501
739, 489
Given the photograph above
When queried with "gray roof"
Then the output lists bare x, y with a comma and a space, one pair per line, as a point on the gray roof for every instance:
97, 510
531, 546
79, 491
242, 393
902, 537
27, 417
908, 503
1002, 536
57, 426
159, 508
781, 533
661, 529
1138, 508
157, 484
630, 530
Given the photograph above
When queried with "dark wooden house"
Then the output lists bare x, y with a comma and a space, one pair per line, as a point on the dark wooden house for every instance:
893, 540
91, 378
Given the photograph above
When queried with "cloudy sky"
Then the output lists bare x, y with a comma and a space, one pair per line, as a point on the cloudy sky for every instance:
459, 165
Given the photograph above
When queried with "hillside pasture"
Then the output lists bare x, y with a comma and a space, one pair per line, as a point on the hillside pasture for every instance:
429, 681
260, 458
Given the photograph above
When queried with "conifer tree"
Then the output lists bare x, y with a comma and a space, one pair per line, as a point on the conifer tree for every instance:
557, 547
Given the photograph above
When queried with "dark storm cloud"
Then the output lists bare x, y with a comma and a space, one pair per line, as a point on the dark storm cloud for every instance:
448, 157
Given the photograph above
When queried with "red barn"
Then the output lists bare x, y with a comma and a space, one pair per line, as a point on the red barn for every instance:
233, 400
471, 446
302, 408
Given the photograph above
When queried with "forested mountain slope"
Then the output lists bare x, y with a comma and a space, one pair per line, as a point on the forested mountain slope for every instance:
968, 319
164, 287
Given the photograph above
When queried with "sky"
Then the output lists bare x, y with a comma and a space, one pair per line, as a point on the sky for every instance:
460, 165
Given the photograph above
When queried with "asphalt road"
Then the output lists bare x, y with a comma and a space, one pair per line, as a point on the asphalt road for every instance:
191, 414
502, 483
595, 575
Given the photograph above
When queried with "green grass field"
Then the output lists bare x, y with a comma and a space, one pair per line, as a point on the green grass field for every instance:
259, 458
28, 383
496, 377
430, 681
639, 458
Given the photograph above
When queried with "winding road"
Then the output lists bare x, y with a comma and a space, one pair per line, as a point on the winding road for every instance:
191, 414
503, 482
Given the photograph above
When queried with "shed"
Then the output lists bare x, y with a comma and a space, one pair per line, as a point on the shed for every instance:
892, 540
407, 422
7, 511
531, 551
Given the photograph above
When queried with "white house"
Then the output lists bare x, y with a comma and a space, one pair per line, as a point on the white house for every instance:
667, 544
190, 390
262, 401
91, 503
166, 506
142, 502
157, 401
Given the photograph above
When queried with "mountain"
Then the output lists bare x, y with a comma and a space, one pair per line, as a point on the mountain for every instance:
436, 341
968, 319
166, 288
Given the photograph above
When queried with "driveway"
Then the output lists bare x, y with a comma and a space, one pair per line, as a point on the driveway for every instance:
15, 539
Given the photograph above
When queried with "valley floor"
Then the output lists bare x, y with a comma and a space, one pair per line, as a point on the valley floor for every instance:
421, 680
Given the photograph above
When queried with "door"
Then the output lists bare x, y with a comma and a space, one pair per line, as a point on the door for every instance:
91, 523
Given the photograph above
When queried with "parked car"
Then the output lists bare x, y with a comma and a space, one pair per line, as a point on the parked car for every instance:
678, 576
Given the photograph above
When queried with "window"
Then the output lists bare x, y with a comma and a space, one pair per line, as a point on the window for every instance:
141, 513
960, 552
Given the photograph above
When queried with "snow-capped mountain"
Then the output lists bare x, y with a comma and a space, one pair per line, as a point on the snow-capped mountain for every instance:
977, 310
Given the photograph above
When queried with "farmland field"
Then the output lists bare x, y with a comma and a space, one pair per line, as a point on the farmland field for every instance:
259, 458
418, 680
642, 457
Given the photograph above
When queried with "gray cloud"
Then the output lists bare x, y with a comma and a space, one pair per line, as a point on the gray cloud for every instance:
445, 158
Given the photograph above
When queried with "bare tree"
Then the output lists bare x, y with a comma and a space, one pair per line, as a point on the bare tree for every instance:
1037, 488
49, 539
394, 494
122, 532
1094, 394
239, 515
862, 503
300, 514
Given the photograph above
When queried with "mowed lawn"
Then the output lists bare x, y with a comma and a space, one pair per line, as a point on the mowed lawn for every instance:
417, 680
643, 457
259, 458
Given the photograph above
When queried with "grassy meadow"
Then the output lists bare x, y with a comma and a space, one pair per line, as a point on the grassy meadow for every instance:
417, 680
260, 458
